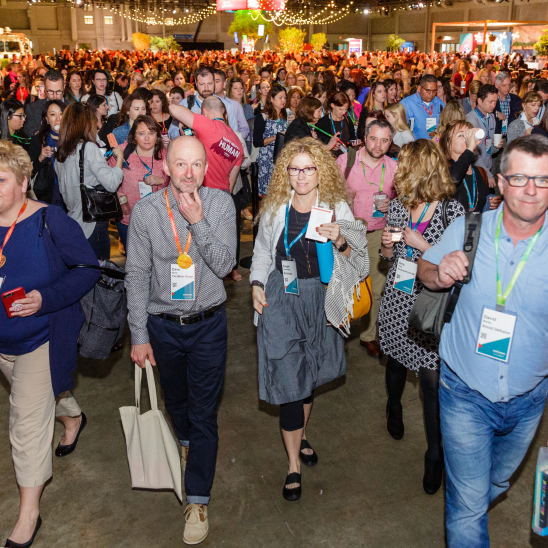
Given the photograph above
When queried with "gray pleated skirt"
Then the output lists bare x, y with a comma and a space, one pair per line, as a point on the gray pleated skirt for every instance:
298, 351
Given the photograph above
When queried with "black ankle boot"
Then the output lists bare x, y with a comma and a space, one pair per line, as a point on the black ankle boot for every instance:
394, 423
433, 470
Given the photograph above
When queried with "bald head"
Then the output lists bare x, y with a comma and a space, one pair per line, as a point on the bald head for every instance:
213, 107
186, 163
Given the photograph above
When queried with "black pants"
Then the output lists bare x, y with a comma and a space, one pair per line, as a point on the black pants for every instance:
396, 375
292, 414
100, 240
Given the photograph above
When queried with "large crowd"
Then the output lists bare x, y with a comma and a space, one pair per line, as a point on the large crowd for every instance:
407, 155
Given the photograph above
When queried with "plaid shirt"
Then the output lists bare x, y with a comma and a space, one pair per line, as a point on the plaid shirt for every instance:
505, 108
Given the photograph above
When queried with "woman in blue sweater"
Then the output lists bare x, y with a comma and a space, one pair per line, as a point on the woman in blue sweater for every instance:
39, 332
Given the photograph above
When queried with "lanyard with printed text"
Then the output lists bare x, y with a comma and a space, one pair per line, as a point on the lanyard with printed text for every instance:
501, 297
414, 228
382, 177
184, 260
286, 228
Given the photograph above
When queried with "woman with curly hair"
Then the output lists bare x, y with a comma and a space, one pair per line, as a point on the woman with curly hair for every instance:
298, 350
424, 190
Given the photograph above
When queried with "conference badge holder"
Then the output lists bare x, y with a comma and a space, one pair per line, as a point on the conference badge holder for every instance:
489, 146
183, 283
430, 124
289, 269
144, 189
377, 213
496, 333
406, 273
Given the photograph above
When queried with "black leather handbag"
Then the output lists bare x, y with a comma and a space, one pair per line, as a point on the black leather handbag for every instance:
98, 204
279, 144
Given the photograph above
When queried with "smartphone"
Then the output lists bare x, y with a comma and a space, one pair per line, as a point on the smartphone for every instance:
255, 101
112, 140
10, 296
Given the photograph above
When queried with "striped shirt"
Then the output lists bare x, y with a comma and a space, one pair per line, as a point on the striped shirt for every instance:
152, 250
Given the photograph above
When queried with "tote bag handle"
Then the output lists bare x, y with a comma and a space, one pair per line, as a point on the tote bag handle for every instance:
151, 386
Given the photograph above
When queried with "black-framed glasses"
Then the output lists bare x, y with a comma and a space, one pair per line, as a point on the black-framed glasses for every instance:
541, 181
308, 171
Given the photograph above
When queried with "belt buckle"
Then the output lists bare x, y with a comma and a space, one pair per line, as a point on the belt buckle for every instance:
181, 320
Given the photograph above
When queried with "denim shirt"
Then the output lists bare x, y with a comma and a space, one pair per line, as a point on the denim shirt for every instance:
527, 364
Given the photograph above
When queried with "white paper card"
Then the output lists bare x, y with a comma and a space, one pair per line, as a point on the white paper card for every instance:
318, 216
289, 269
430, 125
411, 124
504, 125
144, 189
495, 334
183, 283
406, 272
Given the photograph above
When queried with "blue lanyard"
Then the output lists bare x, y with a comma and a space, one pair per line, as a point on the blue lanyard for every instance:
482, 119
471, 202
333, 125
414, 228
286, 228
149, 169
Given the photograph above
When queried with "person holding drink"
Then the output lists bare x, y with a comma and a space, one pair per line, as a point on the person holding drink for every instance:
371, 177
415, 223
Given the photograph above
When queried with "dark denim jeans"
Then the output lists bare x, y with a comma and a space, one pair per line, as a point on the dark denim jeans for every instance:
483, 444
100, 240
191, 360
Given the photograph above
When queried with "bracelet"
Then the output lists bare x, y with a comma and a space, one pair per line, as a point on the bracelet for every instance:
257, 283
343, 247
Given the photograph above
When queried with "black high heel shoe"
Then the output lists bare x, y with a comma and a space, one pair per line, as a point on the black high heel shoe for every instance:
64, 450
308, 460
295, 492
11, 544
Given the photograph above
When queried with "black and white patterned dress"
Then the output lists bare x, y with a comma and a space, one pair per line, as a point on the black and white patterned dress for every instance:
398, 339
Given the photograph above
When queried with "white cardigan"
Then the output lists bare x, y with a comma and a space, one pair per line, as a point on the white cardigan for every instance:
270, 229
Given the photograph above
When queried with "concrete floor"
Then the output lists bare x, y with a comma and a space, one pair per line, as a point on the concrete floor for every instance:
366, 490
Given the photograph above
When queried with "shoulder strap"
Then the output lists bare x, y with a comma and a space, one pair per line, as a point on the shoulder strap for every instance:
350, 161
483, 172
444, 219
82, 163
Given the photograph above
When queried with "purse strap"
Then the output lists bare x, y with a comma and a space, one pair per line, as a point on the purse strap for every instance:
110, 272
151, 387
82, 164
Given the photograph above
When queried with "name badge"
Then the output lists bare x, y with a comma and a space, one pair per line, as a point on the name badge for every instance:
289, 270
377, 213
411, 124
488, 146
430, 124
343, 149
406, 272
504, 126
495, 334
463, 84
183, 283
144, 189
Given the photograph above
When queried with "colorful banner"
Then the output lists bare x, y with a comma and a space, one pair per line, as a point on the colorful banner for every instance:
471, 41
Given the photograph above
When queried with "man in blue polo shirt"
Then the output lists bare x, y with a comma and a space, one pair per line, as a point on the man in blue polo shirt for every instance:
423, 108
494, 372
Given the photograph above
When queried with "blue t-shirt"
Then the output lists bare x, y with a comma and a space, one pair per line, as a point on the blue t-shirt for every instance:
27, 267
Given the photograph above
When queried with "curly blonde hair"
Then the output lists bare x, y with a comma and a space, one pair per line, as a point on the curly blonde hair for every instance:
332, 188
14, 159
423, 174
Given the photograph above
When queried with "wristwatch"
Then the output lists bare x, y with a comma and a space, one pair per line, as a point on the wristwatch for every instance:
343, 247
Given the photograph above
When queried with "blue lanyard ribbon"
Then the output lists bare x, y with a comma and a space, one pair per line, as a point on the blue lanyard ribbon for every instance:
471, 202
333, 125
414, 228
149, 169
482, 119
286, 228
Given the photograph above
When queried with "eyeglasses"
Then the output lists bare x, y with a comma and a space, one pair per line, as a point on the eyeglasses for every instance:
21, 116
308, 171
57, 93
541, 181
430, 90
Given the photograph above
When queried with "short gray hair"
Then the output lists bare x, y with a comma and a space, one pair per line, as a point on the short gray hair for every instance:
533, 145
383, 124
213, 103
501, 76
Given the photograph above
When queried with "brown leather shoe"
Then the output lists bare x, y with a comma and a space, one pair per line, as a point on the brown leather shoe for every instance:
373, 348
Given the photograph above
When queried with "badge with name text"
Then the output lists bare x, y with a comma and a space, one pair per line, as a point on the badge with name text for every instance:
488, 146
183, 283
406, 272
495, 334
289, 269
430, 124
144, 189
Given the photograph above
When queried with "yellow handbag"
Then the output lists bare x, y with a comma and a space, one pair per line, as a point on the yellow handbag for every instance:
362, 306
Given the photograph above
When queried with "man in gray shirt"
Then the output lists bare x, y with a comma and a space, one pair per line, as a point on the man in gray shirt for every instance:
181, 244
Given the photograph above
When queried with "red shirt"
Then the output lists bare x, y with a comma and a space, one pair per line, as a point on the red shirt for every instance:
223, 149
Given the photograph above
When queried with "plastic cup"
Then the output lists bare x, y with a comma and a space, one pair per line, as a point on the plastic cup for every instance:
498, 139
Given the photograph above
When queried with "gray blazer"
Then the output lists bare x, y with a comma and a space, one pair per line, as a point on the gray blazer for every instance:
484, 160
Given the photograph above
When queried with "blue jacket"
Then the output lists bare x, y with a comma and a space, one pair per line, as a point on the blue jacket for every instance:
121, 133
65, 245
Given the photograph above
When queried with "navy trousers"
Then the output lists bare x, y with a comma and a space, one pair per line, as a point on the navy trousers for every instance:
191, 360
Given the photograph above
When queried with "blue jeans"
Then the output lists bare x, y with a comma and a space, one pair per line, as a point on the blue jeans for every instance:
483, 444
100, 240
191, 360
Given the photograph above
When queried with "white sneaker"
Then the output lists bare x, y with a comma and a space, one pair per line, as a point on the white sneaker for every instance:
197, 525
184, 457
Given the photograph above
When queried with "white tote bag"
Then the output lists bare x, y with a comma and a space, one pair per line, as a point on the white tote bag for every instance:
152, 453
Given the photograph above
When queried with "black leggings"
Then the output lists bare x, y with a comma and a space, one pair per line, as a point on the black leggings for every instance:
292, 414
396, 375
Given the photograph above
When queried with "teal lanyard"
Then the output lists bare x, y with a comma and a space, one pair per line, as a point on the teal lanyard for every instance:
286, 228
149, 169
414, 228
471, 201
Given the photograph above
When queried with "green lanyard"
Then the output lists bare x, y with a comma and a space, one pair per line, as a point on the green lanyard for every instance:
501, 298
382, 177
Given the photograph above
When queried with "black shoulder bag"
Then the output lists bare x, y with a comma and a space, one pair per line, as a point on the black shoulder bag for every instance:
433, 309
98, 204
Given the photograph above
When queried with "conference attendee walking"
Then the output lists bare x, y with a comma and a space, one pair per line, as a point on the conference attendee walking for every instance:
371, 177
12, 118
423, 108
79, 129
181, 243
527, 119
298, 350
133, 106
337, 123
425, 195
100, 86
494, 376
508, 105
38, 332
397, 118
